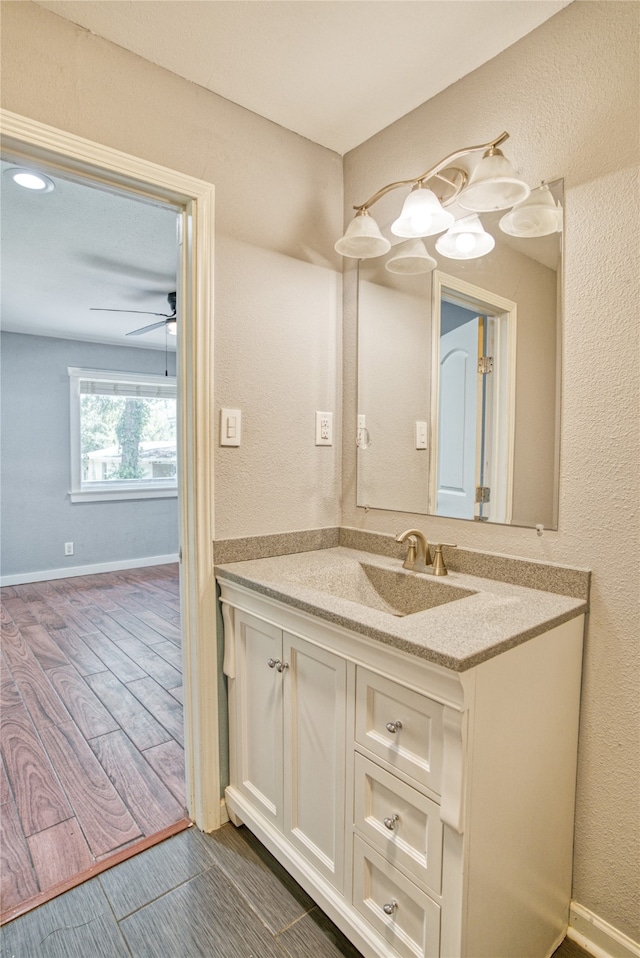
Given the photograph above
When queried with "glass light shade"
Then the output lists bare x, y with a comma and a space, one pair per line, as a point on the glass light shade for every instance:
410, 257
362, 239
466, 239
172, 327
535, 216
422, 215
493, 185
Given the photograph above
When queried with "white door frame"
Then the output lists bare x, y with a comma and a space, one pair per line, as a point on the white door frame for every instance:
503, 425
26, 139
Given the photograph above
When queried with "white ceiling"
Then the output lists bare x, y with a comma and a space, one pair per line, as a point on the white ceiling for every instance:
335, 71
338, 71
78, 247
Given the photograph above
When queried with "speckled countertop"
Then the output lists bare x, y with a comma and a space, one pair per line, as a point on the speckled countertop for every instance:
340, 586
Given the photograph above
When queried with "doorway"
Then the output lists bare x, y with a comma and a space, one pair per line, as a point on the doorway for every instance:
28, 142
473, 401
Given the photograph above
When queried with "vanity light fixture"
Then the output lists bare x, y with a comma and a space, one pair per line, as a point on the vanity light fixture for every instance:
363, 238
466, 239
538, 215
172, 327
422, 214
492, 185
30, 179
410, 257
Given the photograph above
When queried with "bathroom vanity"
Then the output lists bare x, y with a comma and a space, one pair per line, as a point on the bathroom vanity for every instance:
406, 747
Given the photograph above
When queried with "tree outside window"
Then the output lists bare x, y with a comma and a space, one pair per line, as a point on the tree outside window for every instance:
123, 434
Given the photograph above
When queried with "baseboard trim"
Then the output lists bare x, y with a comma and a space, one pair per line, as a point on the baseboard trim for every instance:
23, 578
598, 937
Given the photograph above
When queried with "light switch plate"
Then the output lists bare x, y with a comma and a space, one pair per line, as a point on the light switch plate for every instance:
230, 427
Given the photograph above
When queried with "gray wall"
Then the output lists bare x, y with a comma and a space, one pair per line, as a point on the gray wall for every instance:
37, 516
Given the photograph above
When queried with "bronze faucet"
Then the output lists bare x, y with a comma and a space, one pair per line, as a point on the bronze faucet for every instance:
418, 554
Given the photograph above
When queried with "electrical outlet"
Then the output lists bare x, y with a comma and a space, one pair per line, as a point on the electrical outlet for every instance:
68, 548
324, 428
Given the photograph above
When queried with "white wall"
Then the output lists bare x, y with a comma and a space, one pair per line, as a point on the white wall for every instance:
568, 94
278, 211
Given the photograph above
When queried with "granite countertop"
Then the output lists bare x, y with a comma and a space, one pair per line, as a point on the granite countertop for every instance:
490, 618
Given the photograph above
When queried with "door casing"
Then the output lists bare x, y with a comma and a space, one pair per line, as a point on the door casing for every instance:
27, 140
503, 424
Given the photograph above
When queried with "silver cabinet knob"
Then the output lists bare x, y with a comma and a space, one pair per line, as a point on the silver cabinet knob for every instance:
390, 823
394, 727
390, 907
281, 666
273, 663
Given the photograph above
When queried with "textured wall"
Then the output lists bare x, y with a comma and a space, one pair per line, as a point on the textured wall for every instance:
278, 211
568, 94
37, 515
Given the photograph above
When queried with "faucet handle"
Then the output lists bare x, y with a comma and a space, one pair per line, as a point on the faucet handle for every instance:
412, 553
439, 567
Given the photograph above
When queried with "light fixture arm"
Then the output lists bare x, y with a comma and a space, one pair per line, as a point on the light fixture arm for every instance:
458, 185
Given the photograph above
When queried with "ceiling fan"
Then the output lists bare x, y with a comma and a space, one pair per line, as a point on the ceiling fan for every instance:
169, 320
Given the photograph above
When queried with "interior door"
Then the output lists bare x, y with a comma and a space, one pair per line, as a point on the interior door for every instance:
458, 432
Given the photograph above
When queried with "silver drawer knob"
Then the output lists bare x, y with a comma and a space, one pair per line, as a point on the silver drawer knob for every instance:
390, 823
281, 666
390, 907
394, 727
273, 663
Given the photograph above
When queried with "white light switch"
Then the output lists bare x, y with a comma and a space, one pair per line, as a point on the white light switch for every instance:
230, 427
421, 434
324, 429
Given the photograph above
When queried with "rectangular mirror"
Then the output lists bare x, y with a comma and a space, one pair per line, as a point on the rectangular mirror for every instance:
459, 382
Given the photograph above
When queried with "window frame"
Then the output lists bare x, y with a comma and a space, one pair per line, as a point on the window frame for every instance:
110, 490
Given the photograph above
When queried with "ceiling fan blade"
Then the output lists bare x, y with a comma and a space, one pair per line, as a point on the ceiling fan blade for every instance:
147, 329
145, 312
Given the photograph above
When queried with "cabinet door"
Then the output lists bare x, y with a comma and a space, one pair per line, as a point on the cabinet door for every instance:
259, 714
314, 755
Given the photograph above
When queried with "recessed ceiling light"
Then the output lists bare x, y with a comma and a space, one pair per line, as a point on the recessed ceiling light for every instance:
31, 180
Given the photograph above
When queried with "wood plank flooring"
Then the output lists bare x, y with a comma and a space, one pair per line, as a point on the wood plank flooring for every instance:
91, 727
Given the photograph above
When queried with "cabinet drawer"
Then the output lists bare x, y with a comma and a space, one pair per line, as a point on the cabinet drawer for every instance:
400, 822
400, 726
394, 907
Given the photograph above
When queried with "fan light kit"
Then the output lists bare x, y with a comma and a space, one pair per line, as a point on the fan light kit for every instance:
169, 320
493, 185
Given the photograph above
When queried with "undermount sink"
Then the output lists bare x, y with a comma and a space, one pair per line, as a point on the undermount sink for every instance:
396, 592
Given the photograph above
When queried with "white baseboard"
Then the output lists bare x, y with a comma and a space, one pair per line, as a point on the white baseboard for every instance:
598, 937
22, 578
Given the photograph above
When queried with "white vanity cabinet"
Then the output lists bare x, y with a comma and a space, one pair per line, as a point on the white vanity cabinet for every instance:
429, 812
289, 726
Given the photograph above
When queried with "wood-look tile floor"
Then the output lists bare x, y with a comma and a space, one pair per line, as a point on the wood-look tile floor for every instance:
91, 727
192, 896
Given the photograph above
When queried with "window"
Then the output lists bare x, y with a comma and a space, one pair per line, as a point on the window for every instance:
123, 435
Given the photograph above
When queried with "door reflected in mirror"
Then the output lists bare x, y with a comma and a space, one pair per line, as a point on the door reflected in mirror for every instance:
459, 382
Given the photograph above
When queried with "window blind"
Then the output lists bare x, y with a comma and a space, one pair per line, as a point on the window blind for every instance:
95, 387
